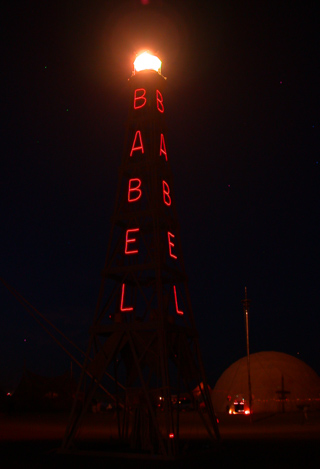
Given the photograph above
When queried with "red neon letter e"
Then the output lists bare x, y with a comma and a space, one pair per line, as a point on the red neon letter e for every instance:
129, 308
136, 189
166, 192
162, 147
132, 240
160, 106
140, 147
171, 244
139, 98
176, 301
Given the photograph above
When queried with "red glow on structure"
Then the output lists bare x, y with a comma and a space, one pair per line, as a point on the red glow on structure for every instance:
132, 240
129, 308
140, 147
160, 105
176, 300
139, 98
166, 192
163, 150
136, 189
171, 244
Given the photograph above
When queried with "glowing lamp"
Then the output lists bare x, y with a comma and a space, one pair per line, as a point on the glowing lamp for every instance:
146, 61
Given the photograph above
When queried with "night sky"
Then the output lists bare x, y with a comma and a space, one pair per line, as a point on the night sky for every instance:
242, 111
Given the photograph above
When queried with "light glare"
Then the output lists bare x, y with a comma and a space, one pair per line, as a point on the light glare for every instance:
146, 61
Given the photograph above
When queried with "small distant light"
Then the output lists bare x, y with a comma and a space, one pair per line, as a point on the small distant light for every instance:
171, 435
45, 66
24, 340
9, 393
280, 82
67, 109
247, 412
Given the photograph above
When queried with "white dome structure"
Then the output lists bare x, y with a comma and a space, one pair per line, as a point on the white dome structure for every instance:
279, 382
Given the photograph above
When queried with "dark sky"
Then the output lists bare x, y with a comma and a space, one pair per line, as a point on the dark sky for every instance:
242, 111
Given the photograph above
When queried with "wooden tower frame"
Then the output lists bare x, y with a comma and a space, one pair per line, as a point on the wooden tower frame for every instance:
143, 332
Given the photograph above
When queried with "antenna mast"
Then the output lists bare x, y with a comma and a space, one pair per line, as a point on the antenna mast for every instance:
246, 304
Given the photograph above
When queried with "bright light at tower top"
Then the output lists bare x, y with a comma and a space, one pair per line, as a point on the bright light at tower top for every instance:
146, 61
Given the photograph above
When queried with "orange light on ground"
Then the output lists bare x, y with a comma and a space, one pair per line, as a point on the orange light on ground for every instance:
146, 61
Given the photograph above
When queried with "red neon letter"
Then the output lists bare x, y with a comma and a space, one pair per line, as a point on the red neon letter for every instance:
138, 98
166, 192
160, 106
129, 308
132, 240
171, 244
162, 147
134, 189
176, 301
134, 148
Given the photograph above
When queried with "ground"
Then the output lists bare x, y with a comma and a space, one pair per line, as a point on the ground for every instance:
269, 441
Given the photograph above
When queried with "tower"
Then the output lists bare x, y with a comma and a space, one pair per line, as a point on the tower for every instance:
143, 332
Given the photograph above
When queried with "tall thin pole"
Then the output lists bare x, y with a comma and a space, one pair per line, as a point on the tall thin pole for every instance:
246, 305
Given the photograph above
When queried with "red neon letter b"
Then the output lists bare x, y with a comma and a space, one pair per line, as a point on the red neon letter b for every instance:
166, 192
160, 105
141, 98
136, 189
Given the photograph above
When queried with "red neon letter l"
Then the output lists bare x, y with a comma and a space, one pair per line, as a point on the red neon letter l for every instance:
129, 308
176, 301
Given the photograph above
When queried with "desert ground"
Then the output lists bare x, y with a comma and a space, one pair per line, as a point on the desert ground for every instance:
288, 440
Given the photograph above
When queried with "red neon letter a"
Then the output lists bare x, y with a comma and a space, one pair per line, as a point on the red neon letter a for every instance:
166, 192
139, 98
162, 147
136, 189
176, 301
160, 105
139, 147
171, 244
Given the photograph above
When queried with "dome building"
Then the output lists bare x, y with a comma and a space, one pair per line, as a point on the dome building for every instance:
279, 382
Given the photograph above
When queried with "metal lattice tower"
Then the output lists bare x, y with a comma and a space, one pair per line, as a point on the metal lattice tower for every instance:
143, 333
